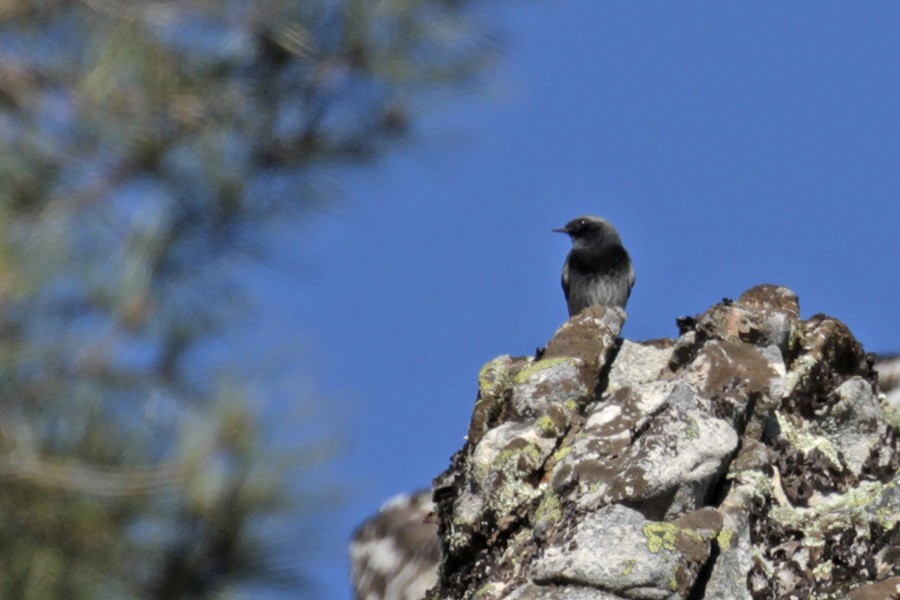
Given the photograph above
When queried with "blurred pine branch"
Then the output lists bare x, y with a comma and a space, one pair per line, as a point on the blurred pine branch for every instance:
143, 149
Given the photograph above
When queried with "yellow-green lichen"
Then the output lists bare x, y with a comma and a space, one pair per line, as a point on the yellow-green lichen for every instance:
752, 481
562, 453
630, 564
549, 509
799, 373
725, 538
547, 363
519, 460
887, 516
488, 590
457, 540
493, 375
548, 426
822, 571
805, 441
663, 536
510, 489
508, 497
660, 536
693, 430
841, 511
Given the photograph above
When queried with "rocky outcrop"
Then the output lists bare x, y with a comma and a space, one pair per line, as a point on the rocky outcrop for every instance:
395, 554
888, 369
750, 458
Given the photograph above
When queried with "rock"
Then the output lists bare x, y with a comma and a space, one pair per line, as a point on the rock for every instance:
395, 554
888, 370
753, 457
557, 592
617, 550
651, 447
888, 589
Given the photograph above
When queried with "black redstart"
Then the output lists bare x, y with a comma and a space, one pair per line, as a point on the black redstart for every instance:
598, 269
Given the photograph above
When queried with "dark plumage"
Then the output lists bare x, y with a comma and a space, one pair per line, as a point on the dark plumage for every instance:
598, 269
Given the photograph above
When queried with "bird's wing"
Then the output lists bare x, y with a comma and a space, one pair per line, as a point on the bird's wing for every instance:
565, 279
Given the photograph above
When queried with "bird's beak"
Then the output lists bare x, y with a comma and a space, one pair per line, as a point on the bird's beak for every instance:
560, 230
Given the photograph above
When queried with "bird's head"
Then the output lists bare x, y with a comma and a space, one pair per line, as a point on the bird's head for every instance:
589, 231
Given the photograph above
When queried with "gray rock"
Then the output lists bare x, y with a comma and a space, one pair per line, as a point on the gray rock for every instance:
651, 447
751, 458
735, 559
531, 591
551, 381
888, 369
616, 549
637, 363
855, 422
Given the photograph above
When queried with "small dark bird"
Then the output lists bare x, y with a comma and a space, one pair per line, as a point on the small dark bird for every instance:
598, 269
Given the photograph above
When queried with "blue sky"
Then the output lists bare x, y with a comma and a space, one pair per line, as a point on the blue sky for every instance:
731, 145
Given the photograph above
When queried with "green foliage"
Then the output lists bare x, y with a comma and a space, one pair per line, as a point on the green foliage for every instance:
144, 147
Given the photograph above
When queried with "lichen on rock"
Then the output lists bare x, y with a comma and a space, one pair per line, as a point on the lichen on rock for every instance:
748, 458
